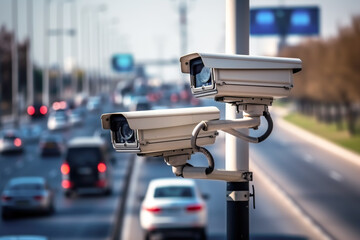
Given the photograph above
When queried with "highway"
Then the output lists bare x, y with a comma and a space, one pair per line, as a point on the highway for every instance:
302, 191
87, 216
324, 186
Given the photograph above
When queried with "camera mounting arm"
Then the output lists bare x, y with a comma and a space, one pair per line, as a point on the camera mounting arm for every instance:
253, 112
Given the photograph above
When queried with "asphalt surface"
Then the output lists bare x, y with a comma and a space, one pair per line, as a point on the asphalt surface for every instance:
316, 195
323, 185
84, 216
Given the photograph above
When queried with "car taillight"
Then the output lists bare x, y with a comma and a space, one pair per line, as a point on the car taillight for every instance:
43, 110
194, 208
101, 183
153, 209
66, 184
31, 110
38, 198
65, 168
6, 198
17, 142
101, 167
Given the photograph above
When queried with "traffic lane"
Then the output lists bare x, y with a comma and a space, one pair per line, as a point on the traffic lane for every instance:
311, 182
81, 217
270, 218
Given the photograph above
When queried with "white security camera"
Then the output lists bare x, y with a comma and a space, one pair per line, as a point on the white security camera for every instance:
155, 132
222, 76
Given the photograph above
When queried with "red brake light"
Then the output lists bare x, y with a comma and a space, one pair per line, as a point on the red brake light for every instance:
38, 198
153, 209
194, 208
101, 167
31, 110
6, 198
17, 142
66, 184
65, 168
43, 110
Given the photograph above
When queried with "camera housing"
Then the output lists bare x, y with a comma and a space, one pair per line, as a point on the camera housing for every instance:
239, 76
155, 132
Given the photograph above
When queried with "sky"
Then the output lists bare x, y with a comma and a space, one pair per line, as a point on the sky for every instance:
149, 29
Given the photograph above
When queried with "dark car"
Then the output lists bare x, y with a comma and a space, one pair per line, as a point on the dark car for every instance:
11, 141
52, 144
87, 166
37, 110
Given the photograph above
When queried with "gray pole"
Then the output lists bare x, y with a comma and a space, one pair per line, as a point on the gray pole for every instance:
30, 77
14, 65
237, 150
74, 48
45, 90
86, 53
60, 53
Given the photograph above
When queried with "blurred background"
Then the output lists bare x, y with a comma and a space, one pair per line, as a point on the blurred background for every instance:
65, 62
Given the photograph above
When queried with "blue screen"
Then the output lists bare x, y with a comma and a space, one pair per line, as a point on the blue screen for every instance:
123, 62
284, 21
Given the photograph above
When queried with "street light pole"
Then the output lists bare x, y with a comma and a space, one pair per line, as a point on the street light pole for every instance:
75, 48
14, 65
29, 69
237, 150
45, 90
60, 51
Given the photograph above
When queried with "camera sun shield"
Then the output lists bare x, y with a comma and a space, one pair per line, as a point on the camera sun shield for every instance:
221, 76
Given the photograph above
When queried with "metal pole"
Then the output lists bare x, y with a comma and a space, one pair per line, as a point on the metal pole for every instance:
86, 55
14, 65
60, 53
45, 90
74, 48
30, 77
237, 150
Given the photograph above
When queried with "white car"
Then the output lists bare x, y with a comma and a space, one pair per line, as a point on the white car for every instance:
27, 194
58, 120
173, 208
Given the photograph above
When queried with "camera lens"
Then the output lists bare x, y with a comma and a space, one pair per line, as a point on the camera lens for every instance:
126, 131
204, 75
201, 74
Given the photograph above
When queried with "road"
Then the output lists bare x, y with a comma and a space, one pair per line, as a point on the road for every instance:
301, 191
271, 217
88, 216
324, 186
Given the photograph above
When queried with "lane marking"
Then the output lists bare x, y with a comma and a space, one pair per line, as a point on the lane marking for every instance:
336, 176
289, 203
130, 201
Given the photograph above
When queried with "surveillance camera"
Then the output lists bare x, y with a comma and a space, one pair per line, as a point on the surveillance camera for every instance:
222, 76
155, 132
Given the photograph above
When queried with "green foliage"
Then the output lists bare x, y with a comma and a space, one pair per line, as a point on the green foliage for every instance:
327, 131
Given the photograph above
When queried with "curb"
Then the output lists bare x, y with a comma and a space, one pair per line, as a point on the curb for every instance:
120, 211
320, 142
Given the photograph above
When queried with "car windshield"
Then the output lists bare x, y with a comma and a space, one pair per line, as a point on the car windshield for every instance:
27, 186
83, 156
173, 192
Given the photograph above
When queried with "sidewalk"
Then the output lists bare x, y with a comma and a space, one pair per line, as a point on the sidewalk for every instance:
320, 142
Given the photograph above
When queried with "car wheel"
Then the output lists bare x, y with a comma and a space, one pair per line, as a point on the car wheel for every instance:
51, 209
203, 234
5, 214
68, 194
147, 236
108, 192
